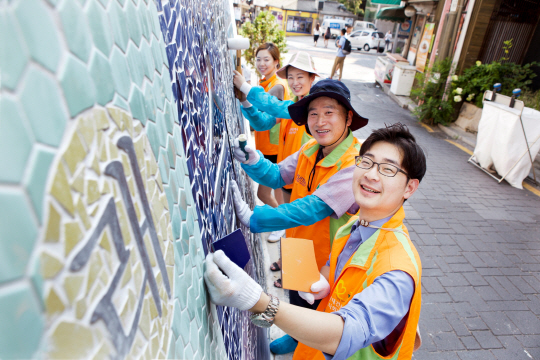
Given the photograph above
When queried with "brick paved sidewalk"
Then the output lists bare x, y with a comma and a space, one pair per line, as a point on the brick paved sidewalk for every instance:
480, 247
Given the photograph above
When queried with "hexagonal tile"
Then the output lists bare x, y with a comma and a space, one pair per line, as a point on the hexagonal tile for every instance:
40, 32
18, 234
101, 73
15, 142
99, 27
136, 103
21, 322
150, 105
13, 52
147, 60
136, 68
76, 29
119, 25
78, 86
135, 30
42, 103
120, 71
120, 102
36, 179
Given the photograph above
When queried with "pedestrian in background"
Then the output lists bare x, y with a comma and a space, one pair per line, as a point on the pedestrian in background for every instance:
387, 39
316, 34
340, 57
327, 36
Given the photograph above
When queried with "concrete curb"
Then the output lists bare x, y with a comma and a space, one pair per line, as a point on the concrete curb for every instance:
455, 135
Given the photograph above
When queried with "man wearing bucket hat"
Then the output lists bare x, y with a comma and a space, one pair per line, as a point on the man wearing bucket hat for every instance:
321, 173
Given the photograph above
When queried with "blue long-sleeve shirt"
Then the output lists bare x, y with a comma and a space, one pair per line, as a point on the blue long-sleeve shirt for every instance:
265, 109
379, 309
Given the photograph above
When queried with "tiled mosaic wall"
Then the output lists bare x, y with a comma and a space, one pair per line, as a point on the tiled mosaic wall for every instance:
114, 179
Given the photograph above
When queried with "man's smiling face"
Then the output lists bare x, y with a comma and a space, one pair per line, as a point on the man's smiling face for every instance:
327, 120
377, 195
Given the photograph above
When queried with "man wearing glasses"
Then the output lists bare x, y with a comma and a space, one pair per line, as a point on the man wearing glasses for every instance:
370, 289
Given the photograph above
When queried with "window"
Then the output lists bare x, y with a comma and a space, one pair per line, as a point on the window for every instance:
381, 35
365, 33
299, 24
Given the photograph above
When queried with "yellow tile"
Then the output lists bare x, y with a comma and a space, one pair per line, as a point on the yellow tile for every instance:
124, 223
149, 249
105, 242
163, 199
113, 150
103, 156
75, 153
128, 123
93, 270
104, 277
170, 274
163, 225
72, 236
152, 166
153, 309
150, 186
101, 120
80, 308
95, 165
137, 128
78, 183
169, 254
144, 323
137, 276
131, 185
147, 354
92, 191
81, 210
126, 276
71, 341
86, 130
126, 315
53, 303
104, 351
96, 292
137, 210
154, 346
72, 286
50, 265
105, 188
126, 165
60, 190
108, 259
116, 115
159, 182
52, 234
139, 152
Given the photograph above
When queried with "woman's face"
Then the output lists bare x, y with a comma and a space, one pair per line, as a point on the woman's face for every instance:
265, 63
299, 81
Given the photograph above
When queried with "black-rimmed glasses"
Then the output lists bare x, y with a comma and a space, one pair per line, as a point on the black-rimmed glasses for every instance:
385, 169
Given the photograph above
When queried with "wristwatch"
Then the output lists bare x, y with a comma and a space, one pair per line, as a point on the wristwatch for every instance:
266, 318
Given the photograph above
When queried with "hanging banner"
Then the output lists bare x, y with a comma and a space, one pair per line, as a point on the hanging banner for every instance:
423, 48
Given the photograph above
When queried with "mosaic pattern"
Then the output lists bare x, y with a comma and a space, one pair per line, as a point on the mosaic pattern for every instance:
201, 66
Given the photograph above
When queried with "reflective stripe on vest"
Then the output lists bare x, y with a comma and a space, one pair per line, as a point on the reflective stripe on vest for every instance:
372, 259
324, 230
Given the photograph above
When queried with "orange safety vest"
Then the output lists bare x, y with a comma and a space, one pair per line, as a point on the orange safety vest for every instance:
384, 251
291, 139
267, 141
323, 231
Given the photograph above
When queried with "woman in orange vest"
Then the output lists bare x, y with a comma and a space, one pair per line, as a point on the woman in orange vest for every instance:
267, 59
371, 285
321, 172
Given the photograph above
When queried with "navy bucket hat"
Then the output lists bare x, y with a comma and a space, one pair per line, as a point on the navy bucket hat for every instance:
334, 89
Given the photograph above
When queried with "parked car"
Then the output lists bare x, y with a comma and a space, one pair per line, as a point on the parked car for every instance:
363, 25
367, 40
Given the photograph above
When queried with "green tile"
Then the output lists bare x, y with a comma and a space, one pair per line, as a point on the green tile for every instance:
40, 32
178, 260
191, 303
190, 221
182, 204
119, 25
177, 137
78, 86
194, 332
37, 278
184, 328
101, 73
99, 27
153, 18
142, 15
13, 52
153, 137
104, 3
15, 142
36, 179
17, 234
120, 102
187, 186
135, 30
156, 53
169, 122
175, 220
42, 102
173, 186
120, 72
135, 64
168, 89
188, 353
150, 106
202, 337
180, 174
172, 348
76, 29
163, 164
178, 350
159, 91
21, 322
136, 103
168, 194
147, 60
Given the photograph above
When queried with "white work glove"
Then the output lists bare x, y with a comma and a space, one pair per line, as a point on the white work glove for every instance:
253, 155
232, 287
242, 209
319, 290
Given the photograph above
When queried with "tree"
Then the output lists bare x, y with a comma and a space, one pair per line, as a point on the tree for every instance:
353, 6
263, 29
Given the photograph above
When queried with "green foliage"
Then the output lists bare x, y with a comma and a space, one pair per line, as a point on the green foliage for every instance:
398, 50
263, 29
475, 80
531, 99
430, 91
353, 6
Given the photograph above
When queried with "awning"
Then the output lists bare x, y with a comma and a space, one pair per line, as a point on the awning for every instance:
395, 14
386, 2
